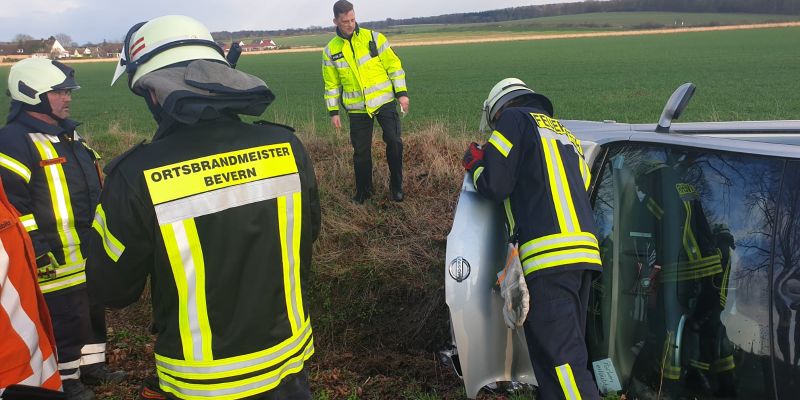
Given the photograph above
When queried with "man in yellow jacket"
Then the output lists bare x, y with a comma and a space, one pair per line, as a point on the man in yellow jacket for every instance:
360, 68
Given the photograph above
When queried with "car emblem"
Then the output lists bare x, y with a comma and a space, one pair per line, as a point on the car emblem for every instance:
459, 269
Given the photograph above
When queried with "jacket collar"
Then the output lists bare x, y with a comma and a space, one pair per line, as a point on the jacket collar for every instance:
66, 126
341, 35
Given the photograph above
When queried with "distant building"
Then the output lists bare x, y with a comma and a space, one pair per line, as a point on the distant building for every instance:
258, 45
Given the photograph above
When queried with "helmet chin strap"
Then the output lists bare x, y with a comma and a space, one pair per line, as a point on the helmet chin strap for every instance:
42, 108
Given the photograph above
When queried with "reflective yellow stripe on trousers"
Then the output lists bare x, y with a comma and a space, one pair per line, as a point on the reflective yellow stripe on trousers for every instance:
567, 381
59, 195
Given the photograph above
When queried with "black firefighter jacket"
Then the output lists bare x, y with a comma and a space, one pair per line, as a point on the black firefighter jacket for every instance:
535, 166
51, 177
221, 215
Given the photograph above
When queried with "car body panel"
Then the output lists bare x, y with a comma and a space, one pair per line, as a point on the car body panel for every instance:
488, 351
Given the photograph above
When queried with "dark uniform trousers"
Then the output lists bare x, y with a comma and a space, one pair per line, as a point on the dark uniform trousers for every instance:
555, 333
69, 312
361, 126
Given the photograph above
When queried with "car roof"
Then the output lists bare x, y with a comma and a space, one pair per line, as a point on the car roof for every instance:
770, 138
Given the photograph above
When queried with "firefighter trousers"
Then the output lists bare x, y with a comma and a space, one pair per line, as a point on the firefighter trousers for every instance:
555, 334
72, 327
361, 127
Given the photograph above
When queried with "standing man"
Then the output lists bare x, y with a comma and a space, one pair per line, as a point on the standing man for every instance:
535, 167
52, 177
359, 67
219, 213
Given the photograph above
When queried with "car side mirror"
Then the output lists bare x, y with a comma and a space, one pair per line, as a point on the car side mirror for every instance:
675, 106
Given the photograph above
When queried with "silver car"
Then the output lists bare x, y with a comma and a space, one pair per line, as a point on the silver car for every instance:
698, 333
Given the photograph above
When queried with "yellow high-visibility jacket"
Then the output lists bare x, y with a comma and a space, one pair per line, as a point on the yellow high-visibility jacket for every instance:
364, 78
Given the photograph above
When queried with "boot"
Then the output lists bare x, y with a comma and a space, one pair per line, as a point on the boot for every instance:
76, 390
98, 374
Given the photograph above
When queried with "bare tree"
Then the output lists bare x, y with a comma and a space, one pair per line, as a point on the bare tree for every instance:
65, 40
22, 37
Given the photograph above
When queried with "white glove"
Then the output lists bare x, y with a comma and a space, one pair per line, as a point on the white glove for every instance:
514, 290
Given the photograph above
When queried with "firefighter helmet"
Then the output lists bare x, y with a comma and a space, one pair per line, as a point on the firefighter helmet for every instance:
30, 78
502, 93
164, 41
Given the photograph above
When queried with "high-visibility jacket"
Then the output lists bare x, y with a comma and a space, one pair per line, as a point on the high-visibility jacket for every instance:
27, 355
51, 177
535, 166
221, 215
364, 78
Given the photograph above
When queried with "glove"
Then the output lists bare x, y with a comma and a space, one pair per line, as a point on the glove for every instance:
472, 156
46, 266
514, 290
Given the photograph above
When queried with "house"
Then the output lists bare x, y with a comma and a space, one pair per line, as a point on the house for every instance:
259, 45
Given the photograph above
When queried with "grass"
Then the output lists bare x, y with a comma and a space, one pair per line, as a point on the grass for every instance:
741, 75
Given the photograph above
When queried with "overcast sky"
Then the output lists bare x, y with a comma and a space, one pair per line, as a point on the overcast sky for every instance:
96, 20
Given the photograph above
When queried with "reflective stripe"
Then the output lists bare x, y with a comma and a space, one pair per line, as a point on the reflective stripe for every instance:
586, 174
41, 375
114, 248
380, 100
236, 389
689, 242
355, 106
399, 83
699, 365
225, 198
29, 222
476, 175
188, 269
567, 381
60, 198
93, 348
333, 92
239, 365
63, 283
16, 167
93, 358
327, 63
74, 375
289, 224
501, 143
559, 188
397, 73
69, 365
724, 364
364, 59
341, 64
682, 271
377, 87
21, 322
557, 241
331, 102
509, 216
654, 208
383, 47
351, 95
561, 258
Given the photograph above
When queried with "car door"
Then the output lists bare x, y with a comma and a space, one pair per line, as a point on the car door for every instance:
683, 307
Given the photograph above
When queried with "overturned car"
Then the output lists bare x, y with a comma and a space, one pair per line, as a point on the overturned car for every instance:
724, 323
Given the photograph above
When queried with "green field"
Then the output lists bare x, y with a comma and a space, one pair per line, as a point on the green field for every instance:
549, 25
741, 75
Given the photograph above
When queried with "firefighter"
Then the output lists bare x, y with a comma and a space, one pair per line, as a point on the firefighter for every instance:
359, 67
690, 265
534, 166
28, 351
52, 177
219, 213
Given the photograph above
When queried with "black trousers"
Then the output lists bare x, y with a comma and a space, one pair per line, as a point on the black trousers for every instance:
555, 334
361, 126
69, 312
94, 350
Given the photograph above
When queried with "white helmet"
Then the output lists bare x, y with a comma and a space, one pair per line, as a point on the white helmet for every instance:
503, 92
164, 41
30, 78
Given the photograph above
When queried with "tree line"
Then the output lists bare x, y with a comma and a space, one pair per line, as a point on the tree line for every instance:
788, 7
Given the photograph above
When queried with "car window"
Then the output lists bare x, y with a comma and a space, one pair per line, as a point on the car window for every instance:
786, 287
682, 307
